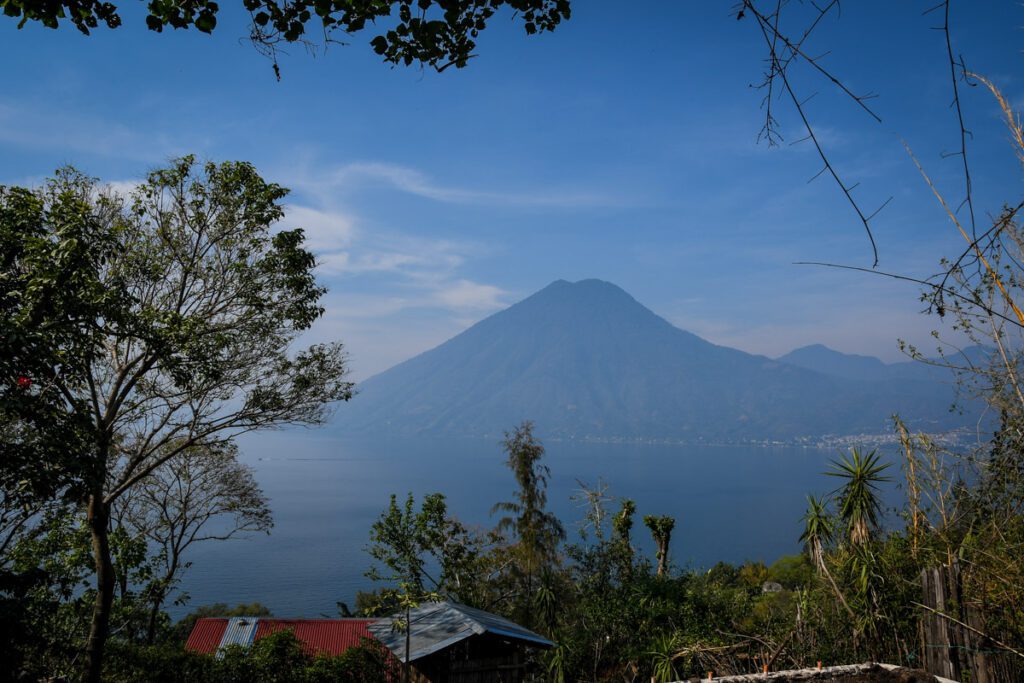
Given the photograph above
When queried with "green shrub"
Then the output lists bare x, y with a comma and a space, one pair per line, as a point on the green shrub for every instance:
278, 658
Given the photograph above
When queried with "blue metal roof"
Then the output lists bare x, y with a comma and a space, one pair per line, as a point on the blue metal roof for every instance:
240, 631
437, 625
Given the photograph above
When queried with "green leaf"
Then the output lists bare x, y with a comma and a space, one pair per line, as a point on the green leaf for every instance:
379, 45
206, 22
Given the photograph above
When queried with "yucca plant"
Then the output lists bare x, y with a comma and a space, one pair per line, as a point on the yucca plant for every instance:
818, 531
860, 504
666, 649
556, 663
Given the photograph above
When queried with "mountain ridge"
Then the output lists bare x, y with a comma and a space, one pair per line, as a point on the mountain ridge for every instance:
587, 360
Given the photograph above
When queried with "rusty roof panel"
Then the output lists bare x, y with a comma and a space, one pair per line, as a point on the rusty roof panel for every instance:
206, 635
320, 636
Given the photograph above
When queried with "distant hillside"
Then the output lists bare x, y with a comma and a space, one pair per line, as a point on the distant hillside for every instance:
826, 361
586, 360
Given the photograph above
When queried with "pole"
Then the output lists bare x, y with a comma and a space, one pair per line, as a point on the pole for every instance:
408, 629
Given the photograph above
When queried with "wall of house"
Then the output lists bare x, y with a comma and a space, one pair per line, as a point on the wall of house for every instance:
480, 659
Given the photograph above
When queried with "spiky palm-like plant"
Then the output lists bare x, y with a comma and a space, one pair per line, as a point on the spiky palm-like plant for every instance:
860, 505
664, 655
818, 531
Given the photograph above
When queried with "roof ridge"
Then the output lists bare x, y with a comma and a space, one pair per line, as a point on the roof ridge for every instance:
474, 625
319, 618
266, 618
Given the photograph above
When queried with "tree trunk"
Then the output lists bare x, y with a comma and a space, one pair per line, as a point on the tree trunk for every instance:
154, 613
159, 597
529, 592
662, 553
99, 524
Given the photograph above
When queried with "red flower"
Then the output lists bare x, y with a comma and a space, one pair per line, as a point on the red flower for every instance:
24, 382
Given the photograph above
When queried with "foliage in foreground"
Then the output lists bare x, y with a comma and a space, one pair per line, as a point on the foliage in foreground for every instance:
145, 332
851, 596
278, 657
854, 595
431, 33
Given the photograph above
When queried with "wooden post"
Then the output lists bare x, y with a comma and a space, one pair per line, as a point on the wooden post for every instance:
408, 636
952, 632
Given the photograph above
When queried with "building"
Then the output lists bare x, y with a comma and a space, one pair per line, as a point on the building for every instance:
452, 643
320, 636
447, 642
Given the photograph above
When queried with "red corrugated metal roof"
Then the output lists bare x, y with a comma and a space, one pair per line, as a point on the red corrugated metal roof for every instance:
326, 636
206, 635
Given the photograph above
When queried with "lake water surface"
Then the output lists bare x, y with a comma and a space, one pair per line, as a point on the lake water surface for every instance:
731, 503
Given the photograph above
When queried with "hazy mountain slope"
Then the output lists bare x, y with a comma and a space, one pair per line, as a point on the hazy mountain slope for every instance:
820, 358
586, 360
824, 360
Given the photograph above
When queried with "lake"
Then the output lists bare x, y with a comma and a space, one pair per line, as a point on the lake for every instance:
731, 503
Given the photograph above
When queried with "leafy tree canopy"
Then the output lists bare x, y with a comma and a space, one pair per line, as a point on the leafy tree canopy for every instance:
427, 553
435, 33
53, 245
141, 327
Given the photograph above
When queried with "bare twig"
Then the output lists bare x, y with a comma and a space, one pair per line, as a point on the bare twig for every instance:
953, 65
778, 68
972, 241
970, 628
906, 278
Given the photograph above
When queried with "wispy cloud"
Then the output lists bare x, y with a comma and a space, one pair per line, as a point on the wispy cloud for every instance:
27, 127
465, 294
411, 257
391, 325
391, 294
325, 230
327, 182
414, 273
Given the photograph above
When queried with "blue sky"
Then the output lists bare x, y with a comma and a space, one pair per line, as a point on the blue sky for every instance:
623, 147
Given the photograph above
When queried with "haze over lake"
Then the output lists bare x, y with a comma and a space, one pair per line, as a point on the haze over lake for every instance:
731, 503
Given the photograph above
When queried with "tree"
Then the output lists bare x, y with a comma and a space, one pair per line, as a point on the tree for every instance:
817, 533
54, 564
622, 526
426, 553
43, 571
661, 531
53, 244
819, 530
537, 533
406, 542
173, 506
183, 337
596, 620
859, 502
434, 33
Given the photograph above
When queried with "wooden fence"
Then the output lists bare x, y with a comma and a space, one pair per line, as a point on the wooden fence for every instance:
951, 634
